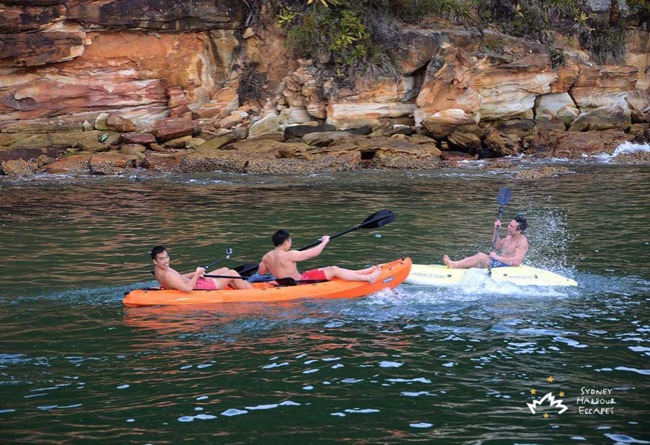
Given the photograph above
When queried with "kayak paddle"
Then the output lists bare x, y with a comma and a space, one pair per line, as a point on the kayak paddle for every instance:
502, 200
378, 219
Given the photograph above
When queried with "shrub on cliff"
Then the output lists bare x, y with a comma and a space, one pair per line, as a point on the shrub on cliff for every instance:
353, 37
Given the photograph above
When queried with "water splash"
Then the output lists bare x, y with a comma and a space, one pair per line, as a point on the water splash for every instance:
624, 148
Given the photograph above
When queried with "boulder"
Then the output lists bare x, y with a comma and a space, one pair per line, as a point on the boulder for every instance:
168, 129
603, 118
574, 144
298, 131
73, 164
138, 138
547, 107
267, 124
111, 163
18, 167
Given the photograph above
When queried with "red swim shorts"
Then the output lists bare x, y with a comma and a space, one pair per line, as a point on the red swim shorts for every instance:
205, 284
314, 274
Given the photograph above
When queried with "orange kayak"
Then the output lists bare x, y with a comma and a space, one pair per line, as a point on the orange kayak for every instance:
392, 274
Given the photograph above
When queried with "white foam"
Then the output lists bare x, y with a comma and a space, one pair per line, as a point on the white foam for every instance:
624, 148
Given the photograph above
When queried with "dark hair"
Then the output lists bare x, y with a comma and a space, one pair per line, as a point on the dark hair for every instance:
157, 250
280, 237
523, 224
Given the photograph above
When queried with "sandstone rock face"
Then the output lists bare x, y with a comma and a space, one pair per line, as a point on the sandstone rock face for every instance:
74, 56
599, 86
93, 76
638, 55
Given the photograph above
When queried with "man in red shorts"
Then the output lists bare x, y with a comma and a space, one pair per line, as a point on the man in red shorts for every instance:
171, 279
282, 262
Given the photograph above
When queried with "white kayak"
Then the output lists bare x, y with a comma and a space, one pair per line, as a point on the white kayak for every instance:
440, 275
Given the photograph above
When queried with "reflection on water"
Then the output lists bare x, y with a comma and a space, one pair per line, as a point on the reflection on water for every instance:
452, 365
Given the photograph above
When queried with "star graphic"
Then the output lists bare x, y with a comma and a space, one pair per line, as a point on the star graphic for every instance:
533, 391
561, 393
546, 415
550, 379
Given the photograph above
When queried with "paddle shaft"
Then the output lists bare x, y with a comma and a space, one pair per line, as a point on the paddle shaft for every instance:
495, 238
358, 226
228, 253
281, 281
223, 276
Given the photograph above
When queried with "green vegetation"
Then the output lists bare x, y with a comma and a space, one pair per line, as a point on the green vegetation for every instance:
358, 37
415, 11
353, 37
558, 58
641, 10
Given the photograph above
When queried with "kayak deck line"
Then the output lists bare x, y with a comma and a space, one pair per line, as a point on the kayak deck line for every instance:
391, 275
441, 275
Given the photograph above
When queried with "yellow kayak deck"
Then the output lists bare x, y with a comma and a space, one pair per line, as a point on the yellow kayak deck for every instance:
441, 275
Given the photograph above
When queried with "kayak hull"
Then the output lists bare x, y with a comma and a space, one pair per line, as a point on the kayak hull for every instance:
392, 274
440, 275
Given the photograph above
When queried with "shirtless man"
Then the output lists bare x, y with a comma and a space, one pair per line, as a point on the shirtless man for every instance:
171, 279
281, 262
513, 249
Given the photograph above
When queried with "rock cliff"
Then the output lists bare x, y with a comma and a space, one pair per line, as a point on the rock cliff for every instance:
183, 84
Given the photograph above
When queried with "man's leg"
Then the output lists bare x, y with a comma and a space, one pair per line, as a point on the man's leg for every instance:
478, 260
352, 275
221, 283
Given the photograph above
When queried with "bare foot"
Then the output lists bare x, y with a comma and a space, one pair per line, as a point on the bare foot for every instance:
448, 262
373, 276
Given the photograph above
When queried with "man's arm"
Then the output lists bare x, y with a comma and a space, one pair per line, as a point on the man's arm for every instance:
263, 268
177, 282
498, 241
302, 255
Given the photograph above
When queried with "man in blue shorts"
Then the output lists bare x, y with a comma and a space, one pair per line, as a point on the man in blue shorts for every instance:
513, 247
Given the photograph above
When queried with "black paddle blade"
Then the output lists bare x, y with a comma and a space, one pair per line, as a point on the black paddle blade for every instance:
379, 219
504, 196
246, 270
291, 282
286, 281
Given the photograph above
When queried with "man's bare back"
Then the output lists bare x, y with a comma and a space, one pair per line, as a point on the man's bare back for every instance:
282, 263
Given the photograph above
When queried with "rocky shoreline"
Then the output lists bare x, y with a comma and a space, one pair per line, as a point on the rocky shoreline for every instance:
180, 146
92, 88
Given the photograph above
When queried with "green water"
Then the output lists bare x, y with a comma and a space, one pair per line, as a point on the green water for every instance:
417, 364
